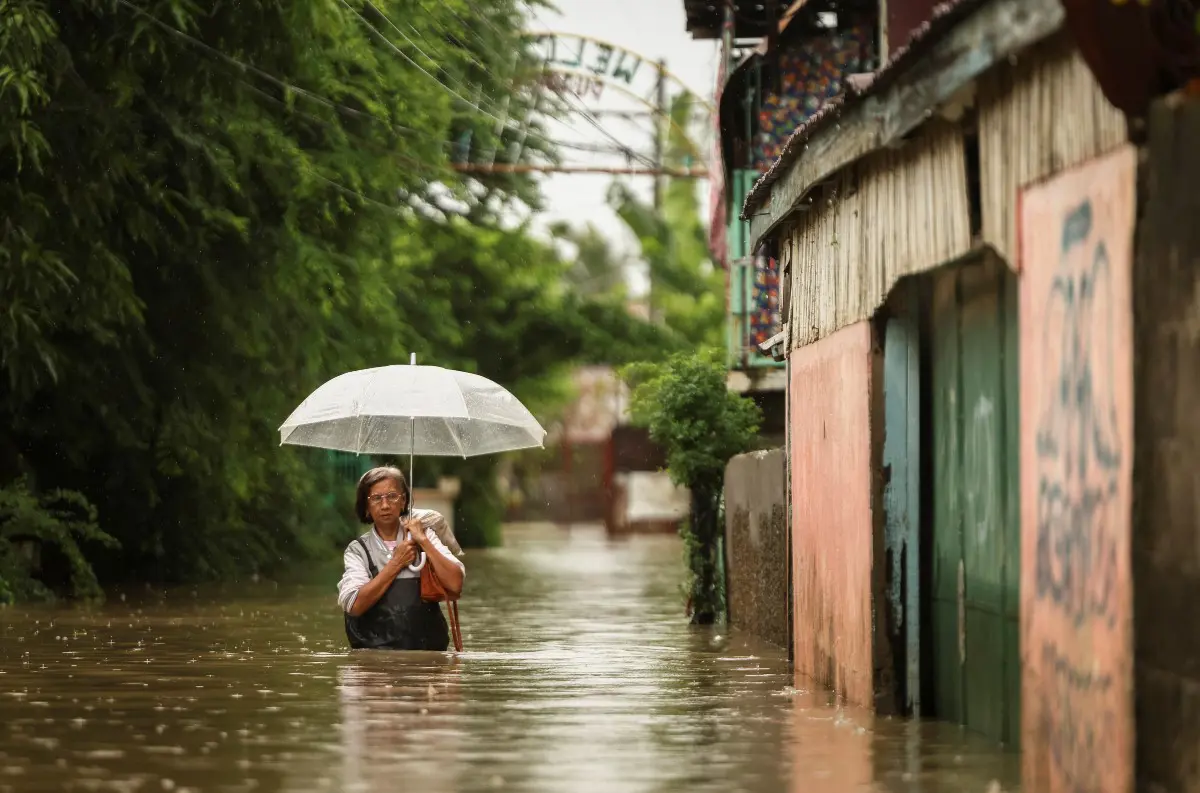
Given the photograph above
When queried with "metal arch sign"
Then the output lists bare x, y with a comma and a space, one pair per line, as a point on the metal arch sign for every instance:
587, 64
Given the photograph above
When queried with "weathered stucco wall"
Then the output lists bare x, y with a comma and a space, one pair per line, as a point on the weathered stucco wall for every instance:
1166, 516
832, 528
1076, 440
756, 582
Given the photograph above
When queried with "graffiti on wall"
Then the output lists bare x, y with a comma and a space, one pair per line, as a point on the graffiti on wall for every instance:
1076, 478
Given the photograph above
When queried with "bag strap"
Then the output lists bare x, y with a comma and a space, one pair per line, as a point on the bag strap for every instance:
451, 607
370, 563
455, 630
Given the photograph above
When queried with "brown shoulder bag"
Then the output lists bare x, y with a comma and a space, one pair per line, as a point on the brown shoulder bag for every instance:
432, 591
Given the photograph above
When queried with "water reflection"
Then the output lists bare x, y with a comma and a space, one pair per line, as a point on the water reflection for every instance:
580, 675
400, 716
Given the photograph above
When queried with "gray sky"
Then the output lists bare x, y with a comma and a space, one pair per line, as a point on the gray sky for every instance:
653, 29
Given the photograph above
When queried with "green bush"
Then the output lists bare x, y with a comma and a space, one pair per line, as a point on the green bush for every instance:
32, 525
701, 424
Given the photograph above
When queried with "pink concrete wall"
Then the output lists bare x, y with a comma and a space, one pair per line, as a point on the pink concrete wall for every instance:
1076, 478
831, 512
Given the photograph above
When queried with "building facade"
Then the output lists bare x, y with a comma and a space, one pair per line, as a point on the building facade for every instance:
978, 279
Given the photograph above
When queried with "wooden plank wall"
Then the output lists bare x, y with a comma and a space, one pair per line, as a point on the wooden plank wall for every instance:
1037, 117
895, 213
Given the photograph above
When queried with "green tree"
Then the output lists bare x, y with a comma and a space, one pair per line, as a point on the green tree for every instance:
210, 209
688, 409
511, 314
687, 291
596, 269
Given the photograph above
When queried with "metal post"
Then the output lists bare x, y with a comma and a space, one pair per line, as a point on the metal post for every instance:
660, 146
660, 126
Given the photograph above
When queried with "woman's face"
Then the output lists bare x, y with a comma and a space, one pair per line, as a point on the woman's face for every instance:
385, 501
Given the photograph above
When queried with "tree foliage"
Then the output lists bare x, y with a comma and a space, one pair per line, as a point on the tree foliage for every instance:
596, 269
211, 208
701, 424
687, 291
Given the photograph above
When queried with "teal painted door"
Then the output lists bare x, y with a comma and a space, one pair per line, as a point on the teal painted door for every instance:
902, 488
975, 534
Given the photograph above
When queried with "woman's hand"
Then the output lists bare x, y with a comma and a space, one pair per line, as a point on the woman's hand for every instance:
417, 530
404, 555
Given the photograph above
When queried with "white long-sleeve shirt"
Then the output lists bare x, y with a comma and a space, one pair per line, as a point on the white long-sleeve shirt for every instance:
357, 572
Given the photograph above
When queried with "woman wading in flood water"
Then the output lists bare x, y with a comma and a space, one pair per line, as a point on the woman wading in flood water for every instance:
380, 590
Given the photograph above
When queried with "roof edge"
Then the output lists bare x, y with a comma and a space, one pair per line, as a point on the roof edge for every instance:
961, 40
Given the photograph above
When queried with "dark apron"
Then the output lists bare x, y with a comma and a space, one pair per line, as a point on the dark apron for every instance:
399, 620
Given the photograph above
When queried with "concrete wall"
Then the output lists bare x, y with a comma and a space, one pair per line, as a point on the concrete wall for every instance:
1166, 516
756, 582
1076, 440
832, 521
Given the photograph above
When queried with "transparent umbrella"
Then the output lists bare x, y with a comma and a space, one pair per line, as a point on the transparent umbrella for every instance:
423, 410
419, 410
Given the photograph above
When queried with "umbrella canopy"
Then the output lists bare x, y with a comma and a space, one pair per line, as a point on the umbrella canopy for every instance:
423, 410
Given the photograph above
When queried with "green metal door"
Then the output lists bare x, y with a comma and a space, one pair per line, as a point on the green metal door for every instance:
975, 558
902, 488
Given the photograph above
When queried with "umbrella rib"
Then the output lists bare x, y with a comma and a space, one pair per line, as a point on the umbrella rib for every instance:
454, 437
358, 412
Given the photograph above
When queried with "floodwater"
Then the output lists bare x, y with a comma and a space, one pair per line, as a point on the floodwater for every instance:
581, 674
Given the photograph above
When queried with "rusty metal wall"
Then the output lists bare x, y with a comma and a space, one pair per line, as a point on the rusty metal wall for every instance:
1076, 439
832, 521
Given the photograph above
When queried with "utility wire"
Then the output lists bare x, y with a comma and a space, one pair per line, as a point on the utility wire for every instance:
252, 69
621, 148
578, 107
427, 56
311, 96
503, 122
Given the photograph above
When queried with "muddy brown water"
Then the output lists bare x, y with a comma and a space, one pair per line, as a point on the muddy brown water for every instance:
580, 675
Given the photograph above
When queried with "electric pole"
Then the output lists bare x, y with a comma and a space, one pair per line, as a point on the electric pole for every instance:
660, 127
661, 117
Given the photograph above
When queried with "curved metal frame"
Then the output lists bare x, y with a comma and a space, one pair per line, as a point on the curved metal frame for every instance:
617, 48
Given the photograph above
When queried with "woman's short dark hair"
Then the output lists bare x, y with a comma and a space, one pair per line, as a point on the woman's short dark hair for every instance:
374, 477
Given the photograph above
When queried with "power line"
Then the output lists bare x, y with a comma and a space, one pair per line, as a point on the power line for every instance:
417, 47
504, 123
423, 71
252, 69
249, 68
588, 117
677, 173
287, 86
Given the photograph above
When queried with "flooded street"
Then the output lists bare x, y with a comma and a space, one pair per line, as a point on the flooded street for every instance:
581, 674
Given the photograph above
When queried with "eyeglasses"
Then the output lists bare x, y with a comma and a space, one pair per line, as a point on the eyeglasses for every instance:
379, 498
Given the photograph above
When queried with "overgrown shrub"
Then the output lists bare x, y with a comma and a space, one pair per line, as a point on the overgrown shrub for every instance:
700, 424
32, 525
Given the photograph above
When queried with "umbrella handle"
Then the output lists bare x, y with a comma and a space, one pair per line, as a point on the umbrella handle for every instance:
416, 568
